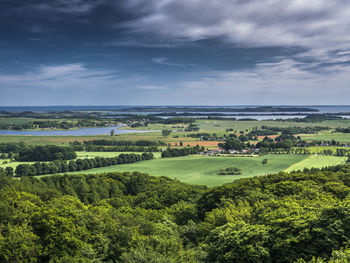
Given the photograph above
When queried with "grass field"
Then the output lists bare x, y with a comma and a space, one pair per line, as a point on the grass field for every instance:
339, 137
17, 121
220, 126
317, 161
211, 126
320, 149
203, 170
13, 164
109, 154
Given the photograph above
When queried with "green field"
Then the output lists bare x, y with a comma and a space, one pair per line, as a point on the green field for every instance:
109, 154
17, 121
320, 149
339, 137
203, 169
317, 161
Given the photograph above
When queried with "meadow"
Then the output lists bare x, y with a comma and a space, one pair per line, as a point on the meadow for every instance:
339, 137
82, 155
317, 161
204, 170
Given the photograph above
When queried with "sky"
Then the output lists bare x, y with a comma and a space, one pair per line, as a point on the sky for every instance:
174, 52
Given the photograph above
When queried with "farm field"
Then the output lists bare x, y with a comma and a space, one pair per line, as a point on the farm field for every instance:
317, 161
211, 126
320, 149
109, 154
203, 169
219, 126
64, 140
339, 137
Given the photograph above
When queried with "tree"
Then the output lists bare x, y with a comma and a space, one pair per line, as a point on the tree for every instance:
166, 133
238, 242
111, 133
9, 171
233, 144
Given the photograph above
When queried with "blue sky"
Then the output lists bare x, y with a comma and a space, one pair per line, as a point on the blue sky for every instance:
174, 52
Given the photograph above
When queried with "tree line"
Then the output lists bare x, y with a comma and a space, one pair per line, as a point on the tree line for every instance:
62, 166
174, 152
29, 153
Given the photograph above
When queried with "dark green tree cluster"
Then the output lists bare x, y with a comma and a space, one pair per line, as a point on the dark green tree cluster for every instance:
176, 120
11, 147
192, 127
175, 152
166, 133
232, 144
62, 166
343, 130
122, 217
45, 153
295, 129
230, 171
54, 124
104, 218
282, 142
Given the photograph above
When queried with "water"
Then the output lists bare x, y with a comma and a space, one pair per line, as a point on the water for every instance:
80, 132
332, 109
320, 108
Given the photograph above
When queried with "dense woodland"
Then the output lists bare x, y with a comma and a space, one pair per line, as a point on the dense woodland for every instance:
138, 218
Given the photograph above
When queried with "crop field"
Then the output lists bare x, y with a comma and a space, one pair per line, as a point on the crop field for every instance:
317, 161
203, 169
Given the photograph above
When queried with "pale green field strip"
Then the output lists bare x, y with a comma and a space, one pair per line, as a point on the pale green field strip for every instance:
320, 149
317, 161
82, 155
339, 137
13, 164
203, 169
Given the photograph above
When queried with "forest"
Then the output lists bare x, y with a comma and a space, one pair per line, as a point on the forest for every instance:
133, 217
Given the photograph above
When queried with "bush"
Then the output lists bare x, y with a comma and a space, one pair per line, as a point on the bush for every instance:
230, 171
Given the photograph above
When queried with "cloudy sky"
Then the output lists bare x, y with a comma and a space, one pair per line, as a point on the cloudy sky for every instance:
178, 52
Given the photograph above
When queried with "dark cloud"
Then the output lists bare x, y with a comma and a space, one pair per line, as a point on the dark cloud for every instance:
142, 51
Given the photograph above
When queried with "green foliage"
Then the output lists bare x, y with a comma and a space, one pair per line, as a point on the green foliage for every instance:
124, 217
166, 133
45, 153
175, 152
238, 242
61, 166
233, 144
230, 171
